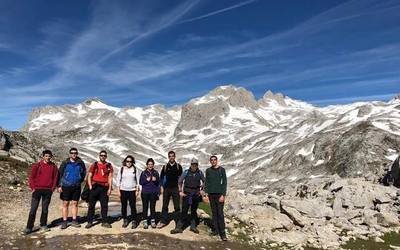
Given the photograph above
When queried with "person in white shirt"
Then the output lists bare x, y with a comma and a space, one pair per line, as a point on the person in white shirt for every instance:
128, 189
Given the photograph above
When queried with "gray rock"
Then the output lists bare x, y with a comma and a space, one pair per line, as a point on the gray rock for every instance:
312, 208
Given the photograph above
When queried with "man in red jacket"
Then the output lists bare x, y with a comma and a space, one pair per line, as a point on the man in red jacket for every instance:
42, 181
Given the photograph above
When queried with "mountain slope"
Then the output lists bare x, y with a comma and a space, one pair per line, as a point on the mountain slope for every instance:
276, 138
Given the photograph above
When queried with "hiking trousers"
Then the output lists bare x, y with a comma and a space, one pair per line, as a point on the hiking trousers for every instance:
149, 199
98, 193
217, 209
189, 201
128, 196
37, 195
168, 193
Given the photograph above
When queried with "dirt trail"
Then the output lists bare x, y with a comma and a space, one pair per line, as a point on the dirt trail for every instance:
16, 207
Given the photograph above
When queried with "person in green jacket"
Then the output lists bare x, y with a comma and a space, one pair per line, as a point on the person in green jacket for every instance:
215, 188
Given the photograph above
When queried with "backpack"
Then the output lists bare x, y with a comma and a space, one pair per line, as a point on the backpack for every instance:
164, 169
85, 191
96, 167
198, 174
395, 172
392, 176
72, 175
122, 171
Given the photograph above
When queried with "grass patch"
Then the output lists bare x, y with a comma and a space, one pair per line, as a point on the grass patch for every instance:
205, 207
14, 163
391, 238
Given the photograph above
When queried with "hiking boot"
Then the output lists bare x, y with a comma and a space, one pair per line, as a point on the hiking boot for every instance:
44, 228
153, 223
27, 231
213, 233
106, 225
134, 225
64, 224
161, 225
223, 238
194, 230
75, 223
176, 231
89, 225
125, 224
145, 224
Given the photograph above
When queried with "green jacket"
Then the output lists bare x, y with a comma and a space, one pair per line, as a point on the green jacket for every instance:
215, 181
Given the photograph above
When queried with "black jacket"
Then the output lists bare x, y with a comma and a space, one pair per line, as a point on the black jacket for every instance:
170, 174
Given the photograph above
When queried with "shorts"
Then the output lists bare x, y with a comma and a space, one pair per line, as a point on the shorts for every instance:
70, 193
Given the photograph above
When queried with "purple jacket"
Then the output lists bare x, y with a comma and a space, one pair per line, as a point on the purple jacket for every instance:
150, 186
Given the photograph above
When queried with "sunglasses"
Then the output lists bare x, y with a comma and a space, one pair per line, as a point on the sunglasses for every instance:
103, 155
129, 161
73, 153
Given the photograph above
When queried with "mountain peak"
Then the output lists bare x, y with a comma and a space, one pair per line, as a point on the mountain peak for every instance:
235, 96
97, 103
270, 96
91, 100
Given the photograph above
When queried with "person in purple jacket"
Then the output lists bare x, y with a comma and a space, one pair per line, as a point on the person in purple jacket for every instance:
149, 180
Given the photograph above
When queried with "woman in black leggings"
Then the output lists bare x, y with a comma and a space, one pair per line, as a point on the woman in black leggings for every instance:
128, 189
149, 179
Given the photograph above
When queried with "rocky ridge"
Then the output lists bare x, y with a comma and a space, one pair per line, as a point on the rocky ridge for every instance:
280, 154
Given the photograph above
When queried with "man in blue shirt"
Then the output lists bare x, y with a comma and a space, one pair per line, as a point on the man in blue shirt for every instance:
72, 174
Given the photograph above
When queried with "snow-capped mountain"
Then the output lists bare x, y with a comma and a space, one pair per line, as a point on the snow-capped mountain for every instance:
262, 143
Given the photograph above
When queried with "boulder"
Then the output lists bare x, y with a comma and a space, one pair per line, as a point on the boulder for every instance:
313, 208
269, 218
327, 237
295, 216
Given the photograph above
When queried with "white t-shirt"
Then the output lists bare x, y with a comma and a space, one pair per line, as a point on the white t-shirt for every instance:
128, 182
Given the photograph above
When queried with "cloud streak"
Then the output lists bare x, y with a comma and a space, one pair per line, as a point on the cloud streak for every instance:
213, 13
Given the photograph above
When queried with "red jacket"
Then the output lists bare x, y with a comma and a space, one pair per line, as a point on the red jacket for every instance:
101, 174
43, 176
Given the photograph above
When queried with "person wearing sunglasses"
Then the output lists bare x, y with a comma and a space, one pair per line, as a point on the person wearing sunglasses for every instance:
100, 186
72, 174
128, 190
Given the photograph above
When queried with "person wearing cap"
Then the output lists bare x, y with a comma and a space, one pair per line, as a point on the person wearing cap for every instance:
191, 184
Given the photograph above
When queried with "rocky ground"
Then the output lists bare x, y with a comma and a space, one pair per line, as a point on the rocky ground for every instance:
323, 213
15, 204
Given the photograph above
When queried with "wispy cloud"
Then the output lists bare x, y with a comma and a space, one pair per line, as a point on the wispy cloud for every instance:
123, 48
213, 13
161, 23
351, 99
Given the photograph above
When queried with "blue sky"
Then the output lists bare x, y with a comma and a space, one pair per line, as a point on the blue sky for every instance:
138, 53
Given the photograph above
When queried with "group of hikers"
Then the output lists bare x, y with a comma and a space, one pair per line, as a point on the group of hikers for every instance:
190, 185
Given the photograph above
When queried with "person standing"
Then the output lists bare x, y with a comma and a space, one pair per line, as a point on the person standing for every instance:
42, 181
215, 188
72, 174
191, 185
169, 177
128, 189
100, 186
150, 180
